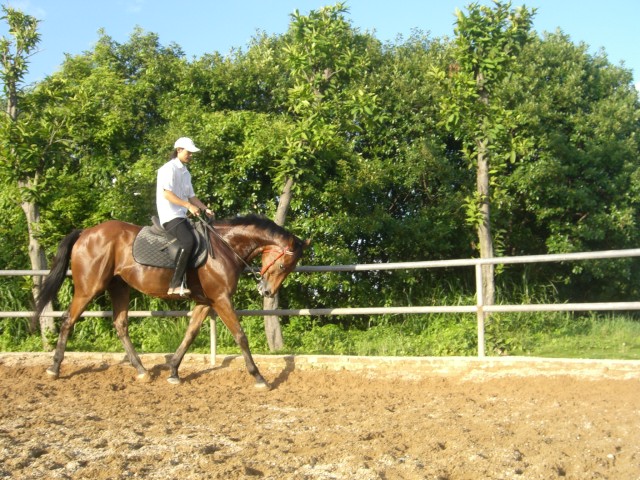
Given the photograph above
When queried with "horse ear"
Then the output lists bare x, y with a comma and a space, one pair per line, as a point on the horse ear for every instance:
306, 243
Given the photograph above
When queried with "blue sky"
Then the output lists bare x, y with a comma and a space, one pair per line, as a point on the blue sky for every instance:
205, 26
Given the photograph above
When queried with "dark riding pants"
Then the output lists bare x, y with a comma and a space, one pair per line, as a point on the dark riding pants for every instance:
182, 230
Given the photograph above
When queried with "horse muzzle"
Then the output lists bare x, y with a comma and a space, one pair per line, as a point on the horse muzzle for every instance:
264, 289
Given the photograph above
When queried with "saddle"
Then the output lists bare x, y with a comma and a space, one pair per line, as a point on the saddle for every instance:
155, 247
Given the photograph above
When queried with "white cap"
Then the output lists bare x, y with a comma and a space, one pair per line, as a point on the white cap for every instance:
187, 144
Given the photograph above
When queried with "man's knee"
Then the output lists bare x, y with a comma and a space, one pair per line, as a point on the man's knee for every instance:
188, 244
185, 237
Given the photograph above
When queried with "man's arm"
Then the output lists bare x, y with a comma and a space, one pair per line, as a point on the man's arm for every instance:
173, 198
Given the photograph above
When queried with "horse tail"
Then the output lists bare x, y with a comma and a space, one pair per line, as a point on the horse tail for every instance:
53, 282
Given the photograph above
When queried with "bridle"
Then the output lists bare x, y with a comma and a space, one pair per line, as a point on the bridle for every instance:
283, 252
258, 276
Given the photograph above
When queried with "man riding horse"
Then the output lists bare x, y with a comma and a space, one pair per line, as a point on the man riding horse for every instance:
175, 198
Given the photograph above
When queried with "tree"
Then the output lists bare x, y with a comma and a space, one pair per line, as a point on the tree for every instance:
487, 43
118, 99
577, 190
23, 157
325, 59
78, 133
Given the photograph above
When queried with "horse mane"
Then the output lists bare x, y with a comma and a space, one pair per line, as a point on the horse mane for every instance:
258, 221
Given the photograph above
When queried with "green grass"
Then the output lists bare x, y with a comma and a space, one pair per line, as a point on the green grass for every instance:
607, 337
15, 336
544, 334
538, 334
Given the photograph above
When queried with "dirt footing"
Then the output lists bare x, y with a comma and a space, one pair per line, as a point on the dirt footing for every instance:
325, 417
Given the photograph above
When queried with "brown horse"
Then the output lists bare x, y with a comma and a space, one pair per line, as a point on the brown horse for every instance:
101, 259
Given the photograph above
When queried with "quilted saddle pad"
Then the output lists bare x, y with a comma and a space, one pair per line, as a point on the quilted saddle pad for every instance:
154, 248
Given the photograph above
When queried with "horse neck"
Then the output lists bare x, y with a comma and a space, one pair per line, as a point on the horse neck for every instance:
248, 242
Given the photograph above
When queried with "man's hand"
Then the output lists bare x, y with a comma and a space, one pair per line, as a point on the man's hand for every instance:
193, 209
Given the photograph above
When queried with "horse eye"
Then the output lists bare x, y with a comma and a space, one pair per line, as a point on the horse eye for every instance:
282, 266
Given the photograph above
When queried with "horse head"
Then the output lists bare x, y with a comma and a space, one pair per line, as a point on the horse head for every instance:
251, 236
277, 262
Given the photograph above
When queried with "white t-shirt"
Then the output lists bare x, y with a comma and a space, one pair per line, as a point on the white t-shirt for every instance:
173, 176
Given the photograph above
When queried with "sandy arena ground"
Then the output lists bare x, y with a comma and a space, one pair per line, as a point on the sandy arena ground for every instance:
325, 418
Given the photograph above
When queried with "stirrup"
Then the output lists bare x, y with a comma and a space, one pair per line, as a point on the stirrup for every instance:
181, 290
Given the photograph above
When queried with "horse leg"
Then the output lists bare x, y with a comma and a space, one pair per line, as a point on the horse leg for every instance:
197, 317
120, 293
78, 304
230, 319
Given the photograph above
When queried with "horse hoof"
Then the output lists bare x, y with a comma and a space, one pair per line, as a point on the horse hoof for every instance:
174, 380
264, 386
143, 377
52, 374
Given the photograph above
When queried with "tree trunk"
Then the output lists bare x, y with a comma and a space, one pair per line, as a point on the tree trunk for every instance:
23, 29
272, 322
38, 262
482, 185
484, 226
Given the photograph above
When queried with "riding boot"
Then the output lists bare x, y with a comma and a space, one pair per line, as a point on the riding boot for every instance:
176, 287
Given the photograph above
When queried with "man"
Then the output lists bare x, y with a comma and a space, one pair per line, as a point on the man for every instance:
175, 198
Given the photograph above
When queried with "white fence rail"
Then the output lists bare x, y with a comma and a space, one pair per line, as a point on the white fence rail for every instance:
479, 308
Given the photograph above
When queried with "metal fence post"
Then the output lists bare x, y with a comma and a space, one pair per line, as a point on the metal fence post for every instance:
213, 336
480, 307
